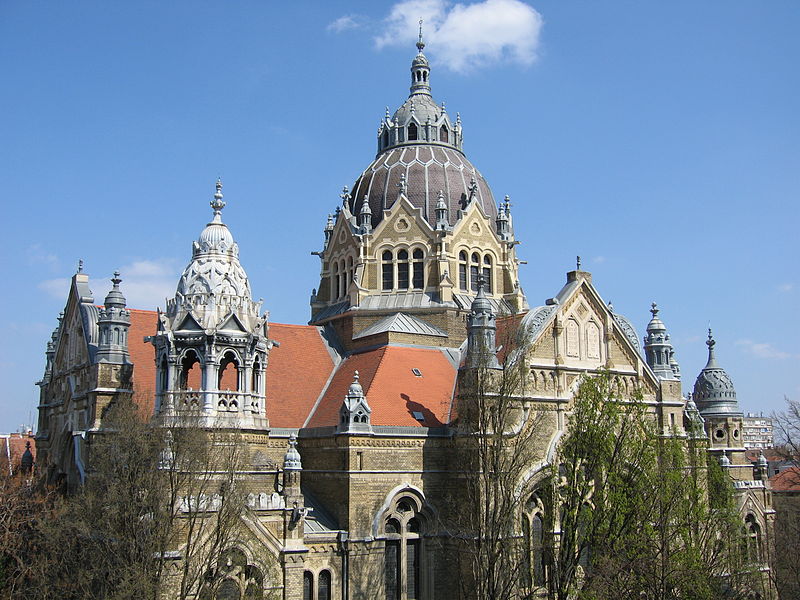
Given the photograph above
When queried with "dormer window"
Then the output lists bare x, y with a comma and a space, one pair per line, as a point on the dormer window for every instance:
413, 134
444, 134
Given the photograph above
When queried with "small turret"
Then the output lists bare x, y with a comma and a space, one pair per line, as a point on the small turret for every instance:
292, 468
365, 216
502, 222
420, 69
328, 231
658, 348
713, 389
442, 216
761, 468
481, 332
355, 413
113, 323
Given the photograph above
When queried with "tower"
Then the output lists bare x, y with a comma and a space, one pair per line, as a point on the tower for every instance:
211, 344
658, 349
416, 233
113, 323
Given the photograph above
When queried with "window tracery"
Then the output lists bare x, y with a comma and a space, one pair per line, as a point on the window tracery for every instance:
403, 554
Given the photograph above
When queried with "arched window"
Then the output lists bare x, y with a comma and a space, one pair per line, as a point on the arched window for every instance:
343, 279
387, 271
418, 275
191, 376
443, 134
487, 273
474, 271
592, 340
462, 271
572, 338
412, 132
385, 138
228, 378
162, 374
349, 271
753, 539
255, 380
324, 586
403, 550
308, 586
535, 574
402, 269
335, 279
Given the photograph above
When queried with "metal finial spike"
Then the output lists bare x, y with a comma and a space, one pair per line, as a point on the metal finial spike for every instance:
80, 265
610, 306
420, 42
355, 376
387, 113
217, 204
578, 263
116, 280
402, 185
654, 309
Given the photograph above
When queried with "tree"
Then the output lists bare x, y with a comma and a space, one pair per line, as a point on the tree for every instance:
641, 514
497, 442
156, 517
786, 497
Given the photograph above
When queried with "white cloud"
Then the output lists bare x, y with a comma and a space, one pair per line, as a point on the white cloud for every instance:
467, 36
786, 287
346, 22
37, 255
57, 288
145, 284
599, 260
763, 350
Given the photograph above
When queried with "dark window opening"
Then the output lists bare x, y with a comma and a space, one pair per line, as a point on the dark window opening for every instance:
324, 586
412, 132
388, 271
308, 586
392, 569
444, 135
402, 270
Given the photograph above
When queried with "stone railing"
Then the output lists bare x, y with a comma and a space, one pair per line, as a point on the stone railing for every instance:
219, 401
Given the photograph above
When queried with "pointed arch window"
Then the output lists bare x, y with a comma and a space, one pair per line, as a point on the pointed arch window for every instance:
443, 134
534, 564
403, 554
752, 539
412, 132
385, 138
418, 270
387, 270
308, 586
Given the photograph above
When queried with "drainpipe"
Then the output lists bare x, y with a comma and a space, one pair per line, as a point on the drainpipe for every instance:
343, 543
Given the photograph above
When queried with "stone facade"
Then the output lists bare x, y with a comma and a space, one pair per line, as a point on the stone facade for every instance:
349, 422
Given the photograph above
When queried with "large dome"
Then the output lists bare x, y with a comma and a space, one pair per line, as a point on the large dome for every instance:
422, 145
428, 168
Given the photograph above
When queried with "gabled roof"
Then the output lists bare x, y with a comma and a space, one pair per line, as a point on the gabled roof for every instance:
401, 323
392, 389
297, 373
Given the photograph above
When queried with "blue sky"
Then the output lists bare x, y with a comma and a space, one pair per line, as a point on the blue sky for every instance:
660, 141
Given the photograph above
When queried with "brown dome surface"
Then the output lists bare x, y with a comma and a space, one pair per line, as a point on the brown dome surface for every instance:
428, 168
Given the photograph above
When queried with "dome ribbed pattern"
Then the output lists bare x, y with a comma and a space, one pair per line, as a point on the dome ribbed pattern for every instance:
428, 168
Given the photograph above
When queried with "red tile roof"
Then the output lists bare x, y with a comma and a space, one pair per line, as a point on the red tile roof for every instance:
787, 480
143, 323
14, 446
297, 372
393, 392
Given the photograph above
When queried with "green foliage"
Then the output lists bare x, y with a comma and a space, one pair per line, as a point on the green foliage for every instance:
641, 513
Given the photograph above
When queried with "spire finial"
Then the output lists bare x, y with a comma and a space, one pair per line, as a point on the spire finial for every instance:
116, 280
420, 42
578, 263
80, 265
711, 342
217, 204
654, 309
402, 185
345, 195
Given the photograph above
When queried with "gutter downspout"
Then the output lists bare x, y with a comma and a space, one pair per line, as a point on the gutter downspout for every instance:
345, 565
